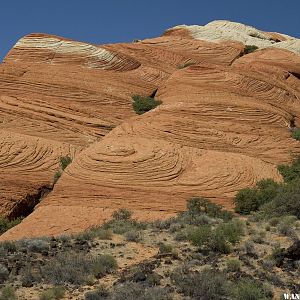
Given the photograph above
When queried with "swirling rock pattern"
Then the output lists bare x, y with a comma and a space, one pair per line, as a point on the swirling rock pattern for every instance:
224, 123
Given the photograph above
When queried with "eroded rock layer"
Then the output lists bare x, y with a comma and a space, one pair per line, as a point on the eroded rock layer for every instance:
224, 123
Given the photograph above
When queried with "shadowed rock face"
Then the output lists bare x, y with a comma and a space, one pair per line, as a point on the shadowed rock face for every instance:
223, 125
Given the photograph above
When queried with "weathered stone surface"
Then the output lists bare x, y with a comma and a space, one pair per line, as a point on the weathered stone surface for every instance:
223, 125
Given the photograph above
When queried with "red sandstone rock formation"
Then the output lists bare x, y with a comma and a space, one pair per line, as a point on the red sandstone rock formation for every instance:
222, 126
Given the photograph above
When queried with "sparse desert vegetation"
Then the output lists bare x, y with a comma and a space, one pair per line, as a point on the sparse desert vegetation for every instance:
250, 48
63, 163
218, 256
142, 104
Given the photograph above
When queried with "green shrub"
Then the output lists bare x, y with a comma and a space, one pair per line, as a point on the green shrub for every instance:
290, 172
233, 265
218, 243
197, 206
287, 202
207, 284
4, 273
104, 264
249, 247
142, 104
100, 293
8, 246
6, 224
200, 235
57, 175
232, 231
250, 48
133, 236
247, 290
219, 239
296, 134
8, 293
101, 233
29, 276
248, 200
37, 245
165, 248
65, 161
54, 293
135, 291
122, 222
87, 235
181, 236
274, 221
122, 214
185, 65
76, 268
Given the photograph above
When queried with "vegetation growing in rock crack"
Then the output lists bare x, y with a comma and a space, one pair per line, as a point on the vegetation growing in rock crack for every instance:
296, 134
142, 104
64, 162
6, 224
250, 48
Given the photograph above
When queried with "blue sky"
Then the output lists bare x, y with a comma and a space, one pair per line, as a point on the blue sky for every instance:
110, 21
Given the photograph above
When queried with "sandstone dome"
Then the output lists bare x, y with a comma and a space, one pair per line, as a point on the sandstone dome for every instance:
223, 123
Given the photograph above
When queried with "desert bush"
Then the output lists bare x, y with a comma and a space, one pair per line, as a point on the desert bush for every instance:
122, 214
219, 239
249, 247
276, 254
29, 276
268, 264
274, 221
54, 293
122, 222
199, 205
247, 290
248, 200
232, 231
163, 224
8, 293
65, 161
8, 246
6, 224
57, 175
104, 264
133, 236
76, 268
259, 237
165, 248
100, 293
208, 284
142, 104
290, 172
101, 233
123, 226
181, 235
200, 236
134, 291
3, 273
175, 227
37, 245
250, 48
233, 265
286, 229
287, 202
185, 65
296, 134
219, 243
